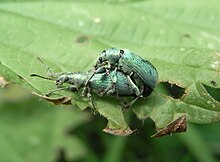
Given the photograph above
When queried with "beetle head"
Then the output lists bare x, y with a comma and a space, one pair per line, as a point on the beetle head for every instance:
77, 79
110, 55
62, 79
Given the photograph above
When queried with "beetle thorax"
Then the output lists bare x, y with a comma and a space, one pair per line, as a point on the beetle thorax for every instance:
111, 55
78, 79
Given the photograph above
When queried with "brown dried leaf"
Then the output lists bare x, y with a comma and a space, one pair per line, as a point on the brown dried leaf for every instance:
64, 100
119, 132
178, 125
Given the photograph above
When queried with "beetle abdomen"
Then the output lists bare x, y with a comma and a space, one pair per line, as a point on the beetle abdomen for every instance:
101, 81
130, 62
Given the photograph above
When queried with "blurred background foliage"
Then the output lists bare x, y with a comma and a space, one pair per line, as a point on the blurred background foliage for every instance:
33, 130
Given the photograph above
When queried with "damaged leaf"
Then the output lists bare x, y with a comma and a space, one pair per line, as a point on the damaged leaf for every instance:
111, 129
64, 100
178, 125
111, 110
186, 56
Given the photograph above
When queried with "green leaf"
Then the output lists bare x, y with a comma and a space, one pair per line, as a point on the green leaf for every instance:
36, 131
181, 40
196, 103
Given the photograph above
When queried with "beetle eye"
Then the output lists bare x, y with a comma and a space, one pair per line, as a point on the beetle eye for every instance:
100, 59
58, 82
66, 79
121, 51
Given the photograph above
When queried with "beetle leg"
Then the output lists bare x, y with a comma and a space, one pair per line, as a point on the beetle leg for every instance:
134, 87
113, 79
49, 71
108, 91
56, 75
99, 70
114, 76
83, 92
138, 92
131, 73
126, 106
89, 95
91, 101
111, 89
69, 88
117, 97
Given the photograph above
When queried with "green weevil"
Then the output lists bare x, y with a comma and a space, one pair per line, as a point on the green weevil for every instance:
100, 84
129, 63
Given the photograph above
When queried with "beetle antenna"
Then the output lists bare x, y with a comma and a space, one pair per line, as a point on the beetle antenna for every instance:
49, 70
36, 75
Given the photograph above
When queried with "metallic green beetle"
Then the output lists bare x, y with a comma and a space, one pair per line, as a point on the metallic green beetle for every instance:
129, 63
100, 84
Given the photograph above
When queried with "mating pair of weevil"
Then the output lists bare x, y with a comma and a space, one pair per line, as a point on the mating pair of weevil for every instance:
117, 72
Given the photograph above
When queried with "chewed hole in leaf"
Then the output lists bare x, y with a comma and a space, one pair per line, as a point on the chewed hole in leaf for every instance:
213, 92
213, 83
172, 90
